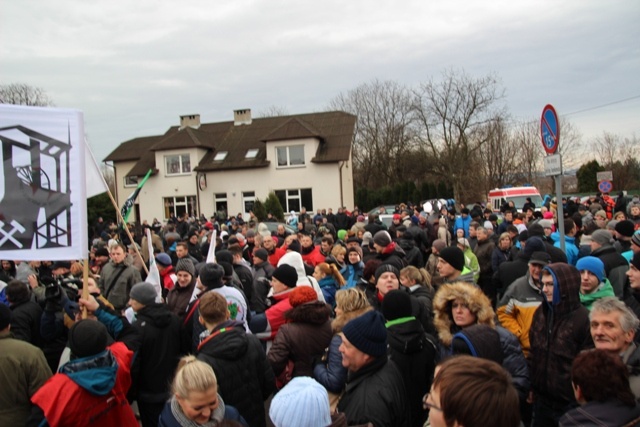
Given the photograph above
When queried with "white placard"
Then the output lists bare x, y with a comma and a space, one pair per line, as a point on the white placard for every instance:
553, 165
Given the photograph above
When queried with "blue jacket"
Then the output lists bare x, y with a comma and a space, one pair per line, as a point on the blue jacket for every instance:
332, 375
328, 287
571, 249
462, 223
353, 274
167, 419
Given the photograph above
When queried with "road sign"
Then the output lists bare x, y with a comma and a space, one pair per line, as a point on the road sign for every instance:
605, 186
550, 129
605, 176
553, 165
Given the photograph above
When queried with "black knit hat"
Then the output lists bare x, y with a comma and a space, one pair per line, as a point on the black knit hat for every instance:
453, 256
185, 264
287, 275
625, 228
396, 304
211, 275
382, 238
224, 255
367, 333
262, 254
295, 246
635, 261
228, 269
386, 268
479, 341
87, 338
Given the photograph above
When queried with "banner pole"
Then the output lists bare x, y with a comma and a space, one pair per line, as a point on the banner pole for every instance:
85, 285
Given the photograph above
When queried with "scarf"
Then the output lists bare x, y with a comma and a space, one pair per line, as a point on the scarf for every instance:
216, 416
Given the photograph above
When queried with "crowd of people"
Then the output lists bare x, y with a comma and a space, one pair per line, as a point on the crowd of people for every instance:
444, 318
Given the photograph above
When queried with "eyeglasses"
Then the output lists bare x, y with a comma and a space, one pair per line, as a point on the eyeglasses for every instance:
428, 405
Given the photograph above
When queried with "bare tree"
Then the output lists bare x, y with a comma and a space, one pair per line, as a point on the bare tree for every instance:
23, 94
451, 112
619, 156
529, 155
385, 131
498, 160
273, 111
570, 147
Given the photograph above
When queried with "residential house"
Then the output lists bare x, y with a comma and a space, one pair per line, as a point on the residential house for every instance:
204, 168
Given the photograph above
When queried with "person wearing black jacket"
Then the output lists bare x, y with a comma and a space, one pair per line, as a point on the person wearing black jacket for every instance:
25, 313
245, 377
160, 351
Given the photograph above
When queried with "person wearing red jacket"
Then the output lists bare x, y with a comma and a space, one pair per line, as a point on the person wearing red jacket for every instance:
91, 389
310, 254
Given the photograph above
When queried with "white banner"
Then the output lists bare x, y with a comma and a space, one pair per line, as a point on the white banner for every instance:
43, 212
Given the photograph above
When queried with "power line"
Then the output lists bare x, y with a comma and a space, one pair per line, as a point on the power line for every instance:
602, 106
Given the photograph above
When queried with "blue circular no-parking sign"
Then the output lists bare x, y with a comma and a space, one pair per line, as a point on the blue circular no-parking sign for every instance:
550, 129
605, 186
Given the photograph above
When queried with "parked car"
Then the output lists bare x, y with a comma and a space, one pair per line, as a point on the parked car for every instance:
273, 227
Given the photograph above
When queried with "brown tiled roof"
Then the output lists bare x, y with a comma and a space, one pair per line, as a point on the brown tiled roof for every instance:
132, 149
334, 129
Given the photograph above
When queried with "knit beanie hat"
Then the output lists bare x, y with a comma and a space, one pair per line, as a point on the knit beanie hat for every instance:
227, 268
366, 238
367, 333
635, 239
342, 234
453, 256
602, 237
185, 264
87, 337
488, 225
5, 316
592, 264
396, 304
303, 402
478, 341
384, 268
625, 228
601, 213
287, 275
224, 255
635, 261
301, 295
262, 254
211, 275
464, 242
144, 293
533, 244
439, 244
382, 238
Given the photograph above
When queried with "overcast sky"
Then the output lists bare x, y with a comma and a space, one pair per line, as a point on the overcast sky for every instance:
133, 67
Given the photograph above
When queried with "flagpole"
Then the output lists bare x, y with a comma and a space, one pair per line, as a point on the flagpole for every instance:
126, 229
85, 285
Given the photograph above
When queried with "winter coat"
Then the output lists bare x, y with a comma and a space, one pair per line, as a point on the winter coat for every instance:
462, 223
514, 361
615, 267
498, 256
245, 378
117, 291
517, 307
179, 297
329, 288
265, 325
631, 357
25, 322
158, 357
484, 252
394, 255
387, 406
603, 290
422, 306
413, 255
414, 353
570, 247
510, 271
23, 370
167, 419
611, 413
560, 330
90, 391
305, 335
353, 274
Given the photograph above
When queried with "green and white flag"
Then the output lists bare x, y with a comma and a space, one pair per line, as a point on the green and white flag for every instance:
128, 204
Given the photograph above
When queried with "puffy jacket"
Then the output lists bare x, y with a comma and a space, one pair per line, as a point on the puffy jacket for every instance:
330, 373
245, 378
560, 330
305, 335
387, 407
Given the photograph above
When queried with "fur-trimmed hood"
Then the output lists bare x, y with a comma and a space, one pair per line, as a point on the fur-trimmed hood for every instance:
473, 297
314, 312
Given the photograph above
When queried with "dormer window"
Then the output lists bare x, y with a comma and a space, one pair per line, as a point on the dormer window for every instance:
220, 156
251, 153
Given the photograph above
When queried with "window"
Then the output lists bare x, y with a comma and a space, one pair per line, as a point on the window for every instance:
178, 164
293, 200
177, 206
130, 181
248, 199
290, 156
252, 153
220, 156
220, 202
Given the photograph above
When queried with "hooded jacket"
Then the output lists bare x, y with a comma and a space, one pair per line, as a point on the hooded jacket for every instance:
159, 353
305, 335
245, 378
603, 290
478, 303
615, 267
560, 330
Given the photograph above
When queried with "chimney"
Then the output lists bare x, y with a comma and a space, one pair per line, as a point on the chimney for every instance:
191, 120
242, 117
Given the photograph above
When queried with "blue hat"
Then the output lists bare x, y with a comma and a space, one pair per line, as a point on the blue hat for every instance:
592, 264
163, 259
301, 403
367, 333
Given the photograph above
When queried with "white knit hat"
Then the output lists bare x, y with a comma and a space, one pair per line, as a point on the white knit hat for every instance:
301, 403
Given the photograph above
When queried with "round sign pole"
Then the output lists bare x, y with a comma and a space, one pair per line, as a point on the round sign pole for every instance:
550, 134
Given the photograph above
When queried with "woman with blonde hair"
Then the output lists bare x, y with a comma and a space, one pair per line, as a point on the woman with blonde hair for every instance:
502, 251
350, 303
418, 282
195, 400
330, 280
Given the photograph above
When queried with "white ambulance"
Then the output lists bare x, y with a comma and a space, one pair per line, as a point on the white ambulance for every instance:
517, 195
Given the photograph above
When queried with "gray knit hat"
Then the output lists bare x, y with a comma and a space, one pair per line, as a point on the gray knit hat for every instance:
382, 238
144, 293
602, 237
185, 264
